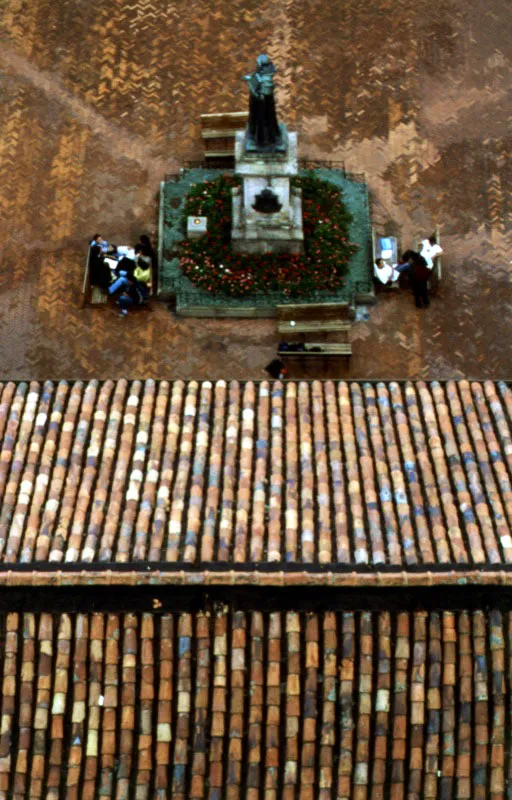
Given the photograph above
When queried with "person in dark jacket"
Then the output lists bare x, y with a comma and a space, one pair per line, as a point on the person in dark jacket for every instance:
145, 248
419, 274
99, 272
124, 275
276, 369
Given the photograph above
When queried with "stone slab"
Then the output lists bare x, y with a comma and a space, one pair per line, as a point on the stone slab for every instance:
267, 165
268, 245
252, 149
196, 227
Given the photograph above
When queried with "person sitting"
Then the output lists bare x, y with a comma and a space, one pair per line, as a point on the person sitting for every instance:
99, 241
384, 273
142, 272
131, 297
430, 250
99, 272
126, 265
124, 272
146, 249
419, 274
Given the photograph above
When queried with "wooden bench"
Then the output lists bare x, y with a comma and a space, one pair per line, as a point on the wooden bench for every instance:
315, 318
318, 318
218, 132
313, 326
93, 295
319, 350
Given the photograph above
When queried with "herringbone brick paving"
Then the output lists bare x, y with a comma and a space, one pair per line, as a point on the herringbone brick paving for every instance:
100, 100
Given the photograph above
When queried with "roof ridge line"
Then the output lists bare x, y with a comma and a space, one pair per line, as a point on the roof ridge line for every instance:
229, 577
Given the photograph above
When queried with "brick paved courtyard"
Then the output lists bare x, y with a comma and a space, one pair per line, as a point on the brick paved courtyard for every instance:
100, 100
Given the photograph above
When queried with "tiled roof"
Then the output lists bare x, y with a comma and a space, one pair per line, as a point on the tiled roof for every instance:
234, 704
322, 472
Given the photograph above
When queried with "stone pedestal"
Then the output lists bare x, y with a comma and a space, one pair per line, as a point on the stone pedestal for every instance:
256, 231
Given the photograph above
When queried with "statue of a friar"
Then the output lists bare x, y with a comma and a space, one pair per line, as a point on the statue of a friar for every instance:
263, 130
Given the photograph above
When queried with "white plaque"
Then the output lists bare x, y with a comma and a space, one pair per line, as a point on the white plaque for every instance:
196, 227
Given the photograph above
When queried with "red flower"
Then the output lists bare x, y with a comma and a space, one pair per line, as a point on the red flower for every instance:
321, 267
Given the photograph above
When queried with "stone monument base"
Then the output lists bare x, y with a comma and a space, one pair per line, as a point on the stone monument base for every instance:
279, 147
261, 246
267, 185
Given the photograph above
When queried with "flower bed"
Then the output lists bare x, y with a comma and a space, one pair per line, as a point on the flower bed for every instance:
211, 264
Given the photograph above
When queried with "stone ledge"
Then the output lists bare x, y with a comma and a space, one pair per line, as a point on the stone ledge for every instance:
134, 578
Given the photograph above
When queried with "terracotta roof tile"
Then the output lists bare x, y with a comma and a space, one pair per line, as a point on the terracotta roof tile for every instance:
309, 473
183, 694
273, 706
252, 704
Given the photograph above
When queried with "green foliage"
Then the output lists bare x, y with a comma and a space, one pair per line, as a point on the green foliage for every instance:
212, 265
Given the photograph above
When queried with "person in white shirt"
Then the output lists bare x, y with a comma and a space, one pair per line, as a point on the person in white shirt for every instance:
385, 273
125, 250
430, 250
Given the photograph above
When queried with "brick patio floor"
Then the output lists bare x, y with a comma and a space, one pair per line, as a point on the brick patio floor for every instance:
101, 100
44, 333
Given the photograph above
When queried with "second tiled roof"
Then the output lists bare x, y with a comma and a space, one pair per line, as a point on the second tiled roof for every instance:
322, 472
236, 705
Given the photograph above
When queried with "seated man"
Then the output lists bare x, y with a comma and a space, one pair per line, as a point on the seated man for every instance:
146, 249
385, 273
105, 247
125, 266
131, 297
430, 250
276, 369
99, 272
123, 273
142, 257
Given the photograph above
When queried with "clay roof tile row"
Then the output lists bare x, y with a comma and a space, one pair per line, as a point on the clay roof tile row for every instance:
230, 704
325, 473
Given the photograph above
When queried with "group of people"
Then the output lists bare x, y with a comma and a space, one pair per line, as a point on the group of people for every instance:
125, 272
417, 266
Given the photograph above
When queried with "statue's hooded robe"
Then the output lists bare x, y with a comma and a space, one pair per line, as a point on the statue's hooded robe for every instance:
263, 126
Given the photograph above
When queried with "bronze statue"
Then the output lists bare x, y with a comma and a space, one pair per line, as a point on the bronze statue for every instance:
263, 130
